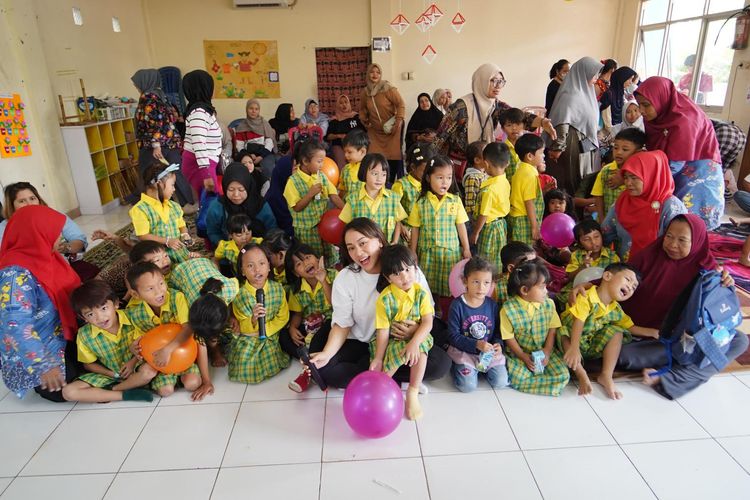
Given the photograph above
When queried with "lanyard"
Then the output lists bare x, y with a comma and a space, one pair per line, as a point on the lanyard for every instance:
479, 115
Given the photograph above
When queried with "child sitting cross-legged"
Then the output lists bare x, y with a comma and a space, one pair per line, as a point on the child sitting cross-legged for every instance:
596, 326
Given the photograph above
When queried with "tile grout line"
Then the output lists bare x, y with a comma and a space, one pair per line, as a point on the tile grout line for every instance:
229, 439
40, 446
421, 457
322, 447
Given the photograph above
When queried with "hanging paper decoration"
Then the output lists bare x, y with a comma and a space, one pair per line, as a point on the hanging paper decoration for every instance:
400, 24
423, 23
458, 21
433, 14
429, 54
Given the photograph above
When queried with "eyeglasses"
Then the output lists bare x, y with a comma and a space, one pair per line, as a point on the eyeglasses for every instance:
498, 82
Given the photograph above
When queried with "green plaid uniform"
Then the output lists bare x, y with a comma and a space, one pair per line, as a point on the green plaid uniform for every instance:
514, 161
189, 276
531, 333
597, 332
385, 214
610, 195
520, 227
143, 318
349, 181
306, 221
395, 311
111, 354
409, 194
501, 289
171, 379
472, 187
492, 238
165, 230
317, 303
606, 258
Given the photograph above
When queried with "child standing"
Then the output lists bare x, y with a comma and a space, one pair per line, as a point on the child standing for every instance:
438, 224
474, 332
310, 285
403, 299
528, 322
156, 217
307, 193
512, 255
526, 199
609, 184
490, 232
409, 186
253, 358
511, 121
277, 244
474, 175
103, 344
595, 326
240, 234
355, 145
373, 200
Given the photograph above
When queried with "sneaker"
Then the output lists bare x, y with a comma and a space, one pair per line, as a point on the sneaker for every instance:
422, 388
301, 383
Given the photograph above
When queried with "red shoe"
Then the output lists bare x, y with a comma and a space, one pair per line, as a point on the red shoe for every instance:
301, 383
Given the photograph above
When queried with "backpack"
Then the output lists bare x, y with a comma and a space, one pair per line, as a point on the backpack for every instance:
701, 323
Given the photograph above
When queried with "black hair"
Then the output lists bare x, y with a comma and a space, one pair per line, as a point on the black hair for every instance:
238, 223
497, 154
299, 251
307, 150
418, 153
585, 227
474, 150
477, 264
92, 293
609, 65
528, 274
511, 116
559, 194
513, 253
143, 248
369, 162
528, 144
357, 139
151, 176
438, 161
208, 315
557, 67
139, 269
632, 134
251, 246
393, 260
276, 240
369, 229
618, 267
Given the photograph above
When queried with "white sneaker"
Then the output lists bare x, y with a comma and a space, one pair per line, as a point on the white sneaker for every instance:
422, 388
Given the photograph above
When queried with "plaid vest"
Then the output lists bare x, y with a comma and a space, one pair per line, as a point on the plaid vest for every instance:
592, 324
310, 216
189, 277
409, 196
384, 215
530, 333
610, 195
274, 296
111, 354
158, 227
144, 319
317, 303
404, 310
439, 228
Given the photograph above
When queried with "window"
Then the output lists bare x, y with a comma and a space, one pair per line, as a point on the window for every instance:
116, 24
680, 40
77, 16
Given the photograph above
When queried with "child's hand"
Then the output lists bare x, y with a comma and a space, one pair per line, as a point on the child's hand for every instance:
135, 349
376, 365
208, 183
175, 243
547, 354
161, 356
194, 255
587, 260
128, 368
528, 362
201, 392
615, 180
320, 272
466, 253
498, 348
259, 311
474, 238
100, 234
316, 189
484, 346
297, 336
411, 353
535, 234
572, 357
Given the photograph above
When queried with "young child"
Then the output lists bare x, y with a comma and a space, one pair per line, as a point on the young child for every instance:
512, 255
438, 224
490, 232
474, 332
355, 146
556, 201
307, 193
409, 186
310, 285
104, 344
526, 199
154, 304
474, 175
403, 299
528, 322
240, 234
253, 358
608, 184
156, 217
596, 327
277, 244
511, 121
373, 200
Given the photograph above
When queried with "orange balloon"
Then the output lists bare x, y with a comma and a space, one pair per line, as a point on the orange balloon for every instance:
158, 337
331, 170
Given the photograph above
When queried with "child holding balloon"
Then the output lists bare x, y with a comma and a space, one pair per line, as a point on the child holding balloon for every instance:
262, 312
403, 299
556, 201
526, 198
373, 200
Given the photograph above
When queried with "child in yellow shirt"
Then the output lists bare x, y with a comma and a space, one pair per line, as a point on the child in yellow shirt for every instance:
355, 146
526, 198
227, 251
609, 184
511, 121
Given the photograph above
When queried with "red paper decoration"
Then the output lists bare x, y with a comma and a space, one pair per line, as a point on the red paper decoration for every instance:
400, 24
458, 21
429, 54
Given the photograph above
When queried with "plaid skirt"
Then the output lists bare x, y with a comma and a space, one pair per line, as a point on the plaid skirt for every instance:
592, 344
520, 230
436, 264
394, 352
550, 383
252, 360
98, 380
492, 239
171, 379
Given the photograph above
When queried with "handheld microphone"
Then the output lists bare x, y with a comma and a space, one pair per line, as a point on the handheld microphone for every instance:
260, 298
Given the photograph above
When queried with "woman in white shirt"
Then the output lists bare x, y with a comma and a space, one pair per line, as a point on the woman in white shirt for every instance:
344, 353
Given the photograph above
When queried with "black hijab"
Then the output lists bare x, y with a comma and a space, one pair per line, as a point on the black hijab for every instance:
615, 94
198, 87
281, 123
237, 172
422, 120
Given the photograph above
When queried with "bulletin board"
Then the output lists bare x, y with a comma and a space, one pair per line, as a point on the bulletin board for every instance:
243, 68
14, 135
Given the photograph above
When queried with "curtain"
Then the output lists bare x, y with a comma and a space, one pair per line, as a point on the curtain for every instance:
340, 71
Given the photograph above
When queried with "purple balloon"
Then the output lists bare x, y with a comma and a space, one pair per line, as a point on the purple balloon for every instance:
373, 404
557, 230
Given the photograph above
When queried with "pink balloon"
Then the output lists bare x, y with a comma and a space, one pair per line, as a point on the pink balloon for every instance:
557, 230
373, 404
456, 282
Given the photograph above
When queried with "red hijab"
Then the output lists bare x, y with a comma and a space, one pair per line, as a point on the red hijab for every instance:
640, 215
681, 129
663, 279
29, 242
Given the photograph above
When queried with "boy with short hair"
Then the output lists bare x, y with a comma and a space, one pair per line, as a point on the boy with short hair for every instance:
113, 373
512, 122
608, 184
355, 146
239, 227
526, 197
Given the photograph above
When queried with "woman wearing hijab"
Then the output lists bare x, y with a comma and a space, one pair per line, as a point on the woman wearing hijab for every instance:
575, 116
442, 99
675, 125
312, 116
39, 324
155, 130
557, 74
254, 129
382, 111
474, 116
202, 146
344, 121
642, 212
241, 196
623, 81
281, 123
424, 122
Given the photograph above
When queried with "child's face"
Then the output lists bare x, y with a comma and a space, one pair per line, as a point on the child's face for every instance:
314, 164
152, 289
255, 267
513, 131
161, 259
418, 171
622, 150
494, 170
537, 160
277, 259
353, 154
103, 316
478, 284
591, 242
633, 184
621, 285
632, 113
167, 186
536, 293
306, 266
375, 177
403, 279
242, 238
247, 160
557, 206
441, 179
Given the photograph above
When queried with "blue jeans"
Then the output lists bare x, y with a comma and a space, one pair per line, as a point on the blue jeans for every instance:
742, 198
466, 377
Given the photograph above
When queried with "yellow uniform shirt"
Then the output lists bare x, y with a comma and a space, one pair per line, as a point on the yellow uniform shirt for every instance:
86, 355
294, 305
457, 213
141, 224
406, 301
372, 204
349, 177
137, 307
506, 327
230, 247
514, 159
585, 303
494, 197
293, 196
606, 257
524, 187
274, 324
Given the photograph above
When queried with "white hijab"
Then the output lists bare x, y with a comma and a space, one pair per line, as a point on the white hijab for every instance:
478, 100
575, 103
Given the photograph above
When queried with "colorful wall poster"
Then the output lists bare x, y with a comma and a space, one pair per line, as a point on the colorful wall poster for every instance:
243, 68
14, 135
